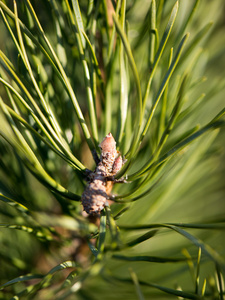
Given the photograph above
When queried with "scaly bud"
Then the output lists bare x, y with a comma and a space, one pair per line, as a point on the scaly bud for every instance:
118, 163
95, 196
108, 144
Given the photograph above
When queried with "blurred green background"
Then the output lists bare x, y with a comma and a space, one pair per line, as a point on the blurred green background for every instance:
191, 189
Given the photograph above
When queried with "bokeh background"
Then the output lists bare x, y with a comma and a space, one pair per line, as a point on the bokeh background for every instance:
192, 190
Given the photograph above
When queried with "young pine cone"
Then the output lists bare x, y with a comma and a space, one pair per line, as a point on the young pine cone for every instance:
95, 196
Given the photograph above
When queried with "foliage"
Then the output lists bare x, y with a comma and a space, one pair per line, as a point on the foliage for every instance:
153, 75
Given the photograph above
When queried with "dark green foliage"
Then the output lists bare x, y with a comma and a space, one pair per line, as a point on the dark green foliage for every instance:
152, 74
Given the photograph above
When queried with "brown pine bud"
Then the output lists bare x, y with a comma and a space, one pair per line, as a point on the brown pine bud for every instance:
108, 144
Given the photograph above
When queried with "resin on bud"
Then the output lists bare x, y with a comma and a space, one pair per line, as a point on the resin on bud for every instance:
95, 196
